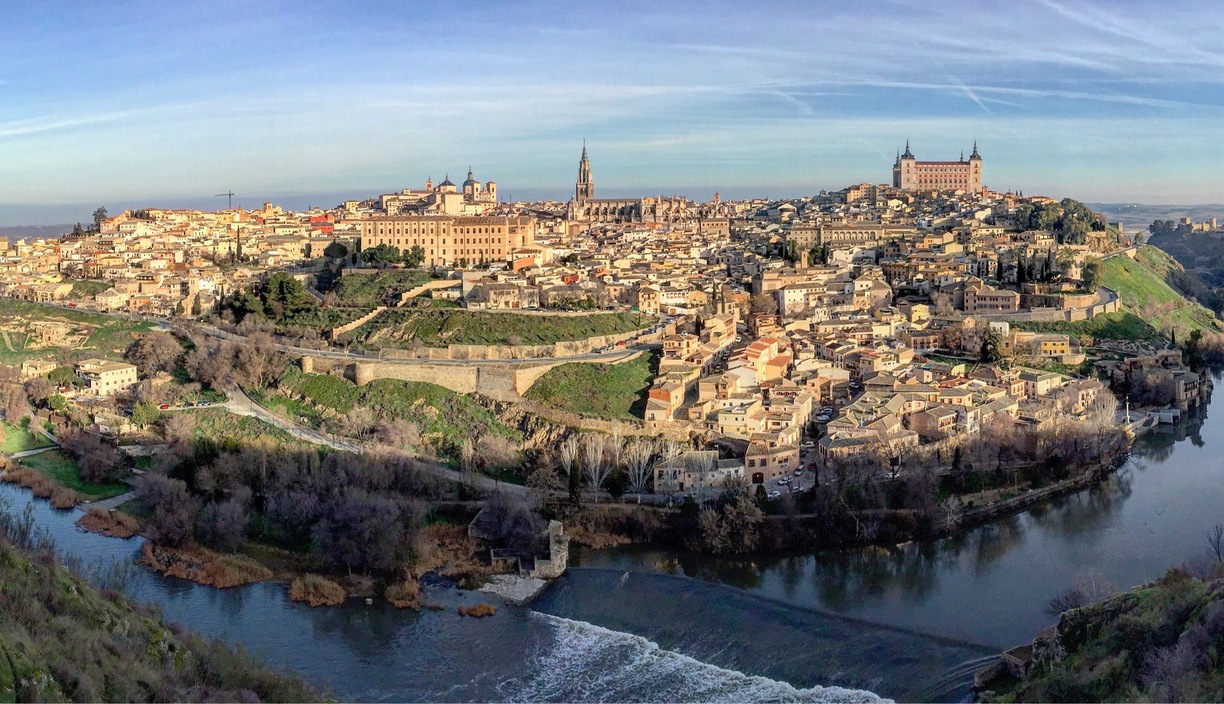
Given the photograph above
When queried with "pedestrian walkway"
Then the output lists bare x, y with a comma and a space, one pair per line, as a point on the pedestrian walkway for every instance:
112, 503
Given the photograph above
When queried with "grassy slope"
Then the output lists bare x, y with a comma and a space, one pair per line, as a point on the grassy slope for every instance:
1123, 325
110, 335
1141, 284
19, 440
440, 327
223, 426
445, 418
602, 390
65, 641
64, 471
1110, 646
370, 290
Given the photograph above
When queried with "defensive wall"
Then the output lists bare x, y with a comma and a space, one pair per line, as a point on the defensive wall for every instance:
567, 348
501, 382
1107, 301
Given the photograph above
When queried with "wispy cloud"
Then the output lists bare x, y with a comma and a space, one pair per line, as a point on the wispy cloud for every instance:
35, 125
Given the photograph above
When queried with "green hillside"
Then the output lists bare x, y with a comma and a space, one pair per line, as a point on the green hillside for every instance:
1160, 642
601, 390
1143, 284
62, 640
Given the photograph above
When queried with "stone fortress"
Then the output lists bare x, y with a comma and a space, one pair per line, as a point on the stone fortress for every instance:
962, 175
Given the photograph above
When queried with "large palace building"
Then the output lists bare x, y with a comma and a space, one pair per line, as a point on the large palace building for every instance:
913, 175
447, 240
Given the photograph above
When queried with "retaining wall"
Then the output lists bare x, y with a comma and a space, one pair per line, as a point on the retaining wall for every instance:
349, 327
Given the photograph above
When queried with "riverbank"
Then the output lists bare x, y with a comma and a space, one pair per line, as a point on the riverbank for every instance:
605, 526
1155, 642
440, 548
63, 639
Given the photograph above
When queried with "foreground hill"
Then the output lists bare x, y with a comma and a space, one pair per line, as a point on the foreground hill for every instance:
62, 640
1160, 642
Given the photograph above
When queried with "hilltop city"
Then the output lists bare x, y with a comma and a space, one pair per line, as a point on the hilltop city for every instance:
439, 381
862, 310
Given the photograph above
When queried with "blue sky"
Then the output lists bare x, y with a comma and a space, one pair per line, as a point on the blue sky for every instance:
156, 103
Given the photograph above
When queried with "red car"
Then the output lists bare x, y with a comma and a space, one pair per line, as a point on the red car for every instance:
164, 406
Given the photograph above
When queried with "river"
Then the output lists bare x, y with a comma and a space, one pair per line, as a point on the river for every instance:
634, 624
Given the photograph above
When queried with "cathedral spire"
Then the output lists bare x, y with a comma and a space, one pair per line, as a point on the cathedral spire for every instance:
584, 187
908, 154
975, 154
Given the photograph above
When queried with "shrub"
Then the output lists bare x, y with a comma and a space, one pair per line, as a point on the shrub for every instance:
317, 591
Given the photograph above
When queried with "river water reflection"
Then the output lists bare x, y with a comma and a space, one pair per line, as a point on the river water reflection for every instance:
990, 585
620, 630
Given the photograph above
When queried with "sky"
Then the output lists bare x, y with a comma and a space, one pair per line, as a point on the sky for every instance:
131, 104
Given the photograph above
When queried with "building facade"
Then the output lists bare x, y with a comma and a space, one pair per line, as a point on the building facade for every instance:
447, 240
913, 175
103, 377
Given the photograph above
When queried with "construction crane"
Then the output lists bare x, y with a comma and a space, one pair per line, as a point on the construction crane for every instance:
227, 194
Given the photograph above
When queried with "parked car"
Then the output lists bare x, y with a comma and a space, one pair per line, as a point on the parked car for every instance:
164, 406
799, 472
796, 489
775, 494
784, 480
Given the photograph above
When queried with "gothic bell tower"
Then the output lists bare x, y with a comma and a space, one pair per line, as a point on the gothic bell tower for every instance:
584, 188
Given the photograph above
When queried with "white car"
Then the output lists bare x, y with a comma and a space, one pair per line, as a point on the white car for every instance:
799, 472
784, 480
775, 494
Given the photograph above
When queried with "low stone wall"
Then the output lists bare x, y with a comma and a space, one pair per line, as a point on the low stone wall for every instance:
567, 348
426, 288
351, 326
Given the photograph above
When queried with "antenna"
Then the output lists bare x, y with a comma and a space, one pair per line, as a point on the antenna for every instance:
228, 194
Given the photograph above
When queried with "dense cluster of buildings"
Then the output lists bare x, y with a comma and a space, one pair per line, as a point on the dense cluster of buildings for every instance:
844, 314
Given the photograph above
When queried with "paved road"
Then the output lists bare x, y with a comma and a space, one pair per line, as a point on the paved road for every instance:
112, 503
241, 404
28, 453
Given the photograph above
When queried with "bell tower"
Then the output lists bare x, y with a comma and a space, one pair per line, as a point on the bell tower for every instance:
584, 188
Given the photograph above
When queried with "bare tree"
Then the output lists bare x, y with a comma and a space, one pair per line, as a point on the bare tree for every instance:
177, 429
358, 422
596, 467
701, 464
155, 352
467, 456
567, 455
497, 451
637, 463
616, 443
1216, 540
398, 432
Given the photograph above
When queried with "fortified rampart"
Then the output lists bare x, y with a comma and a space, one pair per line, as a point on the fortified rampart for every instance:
567, 348
504, 382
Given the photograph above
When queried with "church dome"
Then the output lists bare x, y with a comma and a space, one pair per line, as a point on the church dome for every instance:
470, 181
